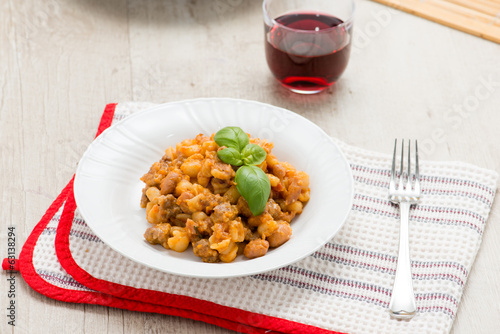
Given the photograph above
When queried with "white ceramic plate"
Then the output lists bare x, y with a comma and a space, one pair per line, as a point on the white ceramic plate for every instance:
108, 189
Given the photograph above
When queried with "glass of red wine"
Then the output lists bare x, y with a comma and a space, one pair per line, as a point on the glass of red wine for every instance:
308, 42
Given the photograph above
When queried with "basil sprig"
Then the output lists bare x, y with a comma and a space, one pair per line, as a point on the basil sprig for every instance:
253, 154
251, 181
230, 156
232, 137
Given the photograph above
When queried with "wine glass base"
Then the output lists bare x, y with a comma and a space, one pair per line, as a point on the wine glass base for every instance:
305, 92
305, 85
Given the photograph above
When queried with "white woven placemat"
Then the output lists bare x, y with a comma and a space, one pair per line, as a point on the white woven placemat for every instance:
346, 285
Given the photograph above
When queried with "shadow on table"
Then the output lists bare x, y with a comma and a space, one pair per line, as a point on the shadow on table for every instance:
166, 12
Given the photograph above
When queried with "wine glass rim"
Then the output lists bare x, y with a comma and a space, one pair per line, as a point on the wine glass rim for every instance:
272, 22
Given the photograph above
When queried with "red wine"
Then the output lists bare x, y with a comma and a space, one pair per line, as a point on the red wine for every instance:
306, 53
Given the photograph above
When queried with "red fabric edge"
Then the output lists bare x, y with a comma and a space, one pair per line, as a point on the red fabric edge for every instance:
106, 118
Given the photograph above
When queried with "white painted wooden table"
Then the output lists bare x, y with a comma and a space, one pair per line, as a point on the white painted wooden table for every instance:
61, 61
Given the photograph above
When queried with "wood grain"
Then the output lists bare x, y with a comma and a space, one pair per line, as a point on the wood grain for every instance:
478, 19
61, 61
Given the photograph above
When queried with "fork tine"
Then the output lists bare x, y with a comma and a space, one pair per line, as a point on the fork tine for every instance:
402, 156
408, 181
417, 172
393, 169
402, 164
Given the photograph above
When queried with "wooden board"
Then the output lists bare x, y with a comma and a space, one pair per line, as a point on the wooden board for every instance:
476, 17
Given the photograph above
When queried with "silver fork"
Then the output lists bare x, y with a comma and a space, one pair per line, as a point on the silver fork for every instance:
402, 305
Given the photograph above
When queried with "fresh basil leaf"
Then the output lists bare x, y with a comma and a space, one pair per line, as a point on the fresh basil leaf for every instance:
253, 154
253, 184
230, 156
232, 136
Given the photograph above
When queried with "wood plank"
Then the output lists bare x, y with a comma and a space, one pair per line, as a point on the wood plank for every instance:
491, 8
452, 15
61, 62
13, 207
466, 12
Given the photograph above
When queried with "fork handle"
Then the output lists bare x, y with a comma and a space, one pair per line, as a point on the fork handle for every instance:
402, 304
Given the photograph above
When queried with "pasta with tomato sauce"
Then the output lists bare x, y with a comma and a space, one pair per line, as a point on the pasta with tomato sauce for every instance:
191, 199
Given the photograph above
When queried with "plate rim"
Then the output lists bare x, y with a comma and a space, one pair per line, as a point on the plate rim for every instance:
208, 100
